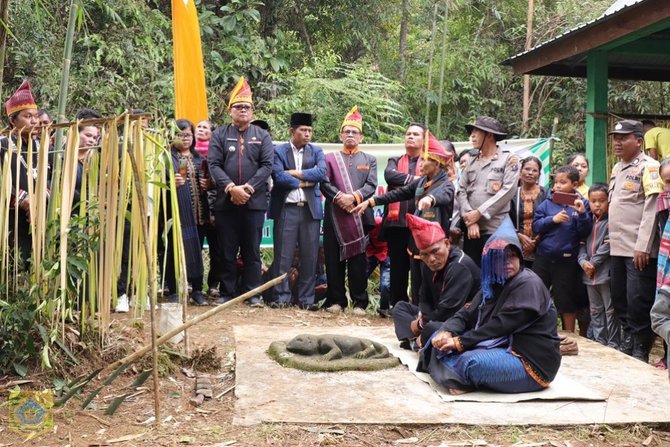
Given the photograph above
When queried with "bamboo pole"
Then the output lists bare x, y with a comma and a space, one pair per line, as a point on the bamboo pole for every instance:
152, 290
65, 77
4, 14
442, 66
430, 64
210, 313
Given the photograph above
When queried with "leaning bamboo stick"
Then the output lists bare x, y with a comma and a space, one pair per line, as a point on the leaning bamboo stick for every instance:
210, 313
150, 264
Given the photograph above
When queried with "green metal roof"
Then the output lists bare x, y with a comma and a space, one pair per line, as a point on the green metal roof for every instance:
635, 36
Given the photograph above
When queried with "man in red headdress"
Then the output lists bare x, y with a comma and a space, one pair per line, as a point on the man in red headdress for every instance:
240, 162
432, 195
450, 279
351, 178
23, 117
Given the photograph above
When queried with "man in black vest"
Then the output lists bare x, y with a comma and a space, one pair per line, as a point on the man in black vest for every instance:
240, 159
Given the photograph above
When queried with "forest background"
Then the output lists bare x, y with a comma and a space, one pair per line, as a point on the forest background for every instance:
398, 60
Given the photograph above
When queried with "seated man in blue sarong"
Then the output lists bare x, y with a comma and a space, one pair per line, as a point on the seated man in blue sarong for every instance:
506, 340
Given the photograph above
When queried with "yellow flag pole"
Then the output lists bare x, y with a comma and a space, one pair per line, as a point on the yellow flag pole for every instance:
189, 73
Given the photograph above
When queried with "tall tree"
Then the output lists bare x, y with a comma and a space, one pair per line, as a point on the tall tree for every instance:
403, 39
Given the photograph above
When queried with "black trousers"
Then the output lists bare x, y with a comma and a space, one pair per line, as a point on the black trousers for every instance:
474, 247
563, 279
214, 275
122, 280
240, 229
633, 293
170, 275
400, 262
354, 269
23, 239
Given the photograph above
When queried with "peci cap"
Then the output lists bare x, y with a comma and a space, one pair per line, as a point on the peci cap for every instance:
487, 124
301, 119
624, 127
262, 124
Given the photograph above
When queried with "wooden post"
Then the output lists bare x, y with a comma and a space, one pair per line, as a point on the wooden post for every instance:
596, 115
554, 129
210, 313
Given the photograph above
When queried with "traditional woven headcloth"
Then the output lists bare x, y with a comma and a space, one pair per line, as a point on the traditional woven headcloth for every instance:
424, 232
22, 99
353, 118
433, 149
493, 256
241, 93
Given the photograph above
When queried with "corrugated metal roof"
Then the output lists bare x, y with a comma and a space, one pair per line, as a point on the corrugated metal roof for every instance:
618, 7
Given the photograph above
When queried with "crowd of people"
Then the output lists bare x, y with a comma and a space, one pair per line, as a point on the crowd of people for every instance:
490, 257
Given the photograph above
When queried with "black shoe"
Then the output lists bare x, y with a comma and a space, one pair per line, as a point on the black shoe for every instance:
254, 302
384, 313
310, 307
404, 344
222, 300
171, 298
199, 298
278, 304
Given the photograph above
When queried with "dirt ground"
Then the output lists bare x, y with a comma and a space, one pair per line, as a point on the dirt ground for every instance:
211, 423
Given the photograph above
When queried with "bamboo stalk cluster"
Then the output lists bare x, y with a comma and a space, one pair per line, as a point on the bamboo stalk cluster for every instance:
76, 254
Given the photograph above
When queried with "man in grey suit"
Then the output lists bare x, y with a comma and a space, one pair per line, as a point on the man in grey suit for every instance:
295, 206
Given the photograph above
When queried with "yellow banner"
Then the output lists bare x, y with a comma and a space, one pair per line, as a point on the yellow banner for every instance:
189, 73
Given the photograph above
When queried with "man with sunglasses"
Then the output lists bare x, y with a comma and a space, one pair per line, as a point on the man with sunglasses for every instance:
240, 162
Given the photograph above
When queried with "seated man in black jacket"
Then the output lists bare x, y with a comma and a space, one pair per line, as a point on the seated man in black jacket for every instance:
450, 279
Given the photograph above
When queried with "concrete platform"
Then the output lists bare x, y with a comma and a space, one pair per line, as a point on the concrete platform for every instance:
267, 392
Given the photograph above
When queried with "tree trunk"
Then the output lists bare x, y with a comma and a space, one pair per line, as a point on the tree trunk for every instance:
4, 14
303, 29
403, 39
268, 12
526, 78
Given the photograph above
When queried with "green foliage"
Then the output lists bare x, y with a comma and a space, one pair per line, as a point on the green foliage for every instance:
233, 46
19, 334
329, 89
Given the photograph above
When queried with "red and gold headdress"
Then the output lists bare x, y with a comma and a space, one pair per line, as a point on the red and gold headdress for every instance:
353, 118
433, 149
241, 93
22, 99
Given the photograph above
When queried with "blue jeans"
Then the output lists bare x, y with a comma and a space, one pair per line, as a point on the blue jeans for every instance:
384, 278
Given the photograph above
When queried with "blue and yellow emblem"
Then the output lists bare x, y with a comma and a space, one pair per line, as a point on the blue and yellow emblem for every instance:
31, 411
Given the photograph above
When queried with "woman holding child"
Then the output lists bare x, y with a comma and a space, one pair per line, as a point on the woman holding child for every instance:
506, 339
